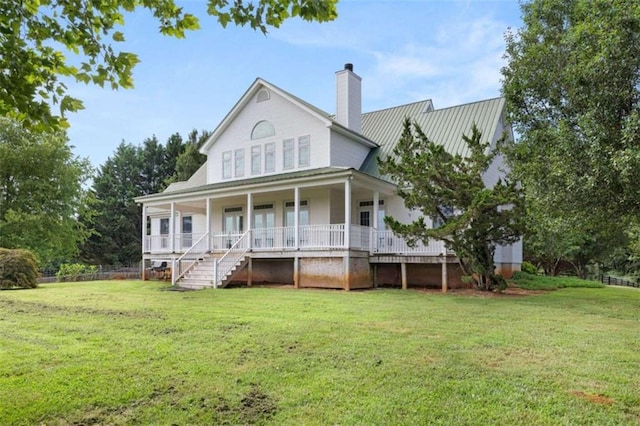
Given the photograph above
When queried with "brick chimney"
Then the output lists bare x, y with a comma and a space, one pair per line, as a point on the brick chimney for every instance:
349, 99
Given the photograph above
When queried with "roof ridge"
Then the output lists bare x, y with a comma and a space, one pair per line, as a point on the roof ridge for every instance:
399, 106
466, 104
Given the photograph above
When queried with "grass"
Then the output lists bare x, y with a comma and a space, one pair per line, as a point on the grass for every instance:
130, 353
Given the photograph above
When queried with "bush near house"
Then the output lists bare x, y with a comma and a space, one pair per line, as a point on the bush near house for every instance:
18, 268
528, 281
529, 268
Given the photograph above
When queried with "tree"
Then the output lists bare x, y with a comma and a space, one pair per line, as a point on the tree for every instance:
190, 160
572, 85
450, 189
556, 240
110, 212
40, 193
37, 35
117, 226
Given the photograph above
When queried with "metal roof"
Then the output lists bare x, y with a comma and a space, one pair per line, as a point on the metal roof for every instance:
443, 126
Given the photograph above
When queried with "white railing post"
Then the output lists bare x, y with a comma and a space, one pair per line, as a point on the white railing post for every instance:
372, 240
173, 271
215, 273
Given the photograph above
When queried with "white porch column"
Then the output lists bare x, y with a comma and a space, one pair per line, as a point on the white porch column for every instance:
145, 247
347, 213
376, 208
347, 233
172, 227
208, 225
249, 217
296, 217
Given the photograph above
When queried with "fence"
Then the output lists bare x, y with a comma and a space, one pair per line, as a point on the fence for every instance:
608, 280
102, 272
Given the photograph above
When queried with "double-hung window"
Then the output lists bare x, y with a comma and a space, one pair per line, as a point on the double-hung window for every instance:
287, 154
270, 157
304, 152
256, 159
239, 162
226, 165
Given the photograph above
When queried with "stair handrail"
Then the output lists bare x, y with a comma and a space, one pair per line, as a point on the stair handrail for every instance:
181, 271
218, 272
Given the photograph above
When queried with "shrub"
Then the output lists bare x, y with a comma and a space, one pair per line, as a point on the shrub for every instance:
76, 272
527, 281
18, 268
529, 268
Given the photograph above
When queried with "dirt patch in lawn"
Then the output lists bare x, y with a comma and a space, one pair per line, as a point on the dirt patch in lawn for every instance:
255, 406
599, 399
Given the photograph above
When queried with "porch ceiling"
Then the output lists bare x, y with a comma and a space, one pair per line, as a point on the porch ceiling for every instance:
197, 197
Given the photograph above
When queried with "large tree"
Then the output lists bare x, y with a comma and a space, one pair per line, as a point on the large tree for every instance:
116, 223
451, 189
558, 241
132, 171
40, 193
572, 85
36, 36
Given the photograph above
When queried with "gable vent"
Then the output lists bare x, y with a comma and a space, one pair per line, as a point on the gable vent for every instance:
263, 95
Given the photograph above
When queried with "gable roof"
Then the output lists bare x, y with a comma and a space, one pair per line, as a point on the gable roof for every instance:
314, 111
199, 178
443, 126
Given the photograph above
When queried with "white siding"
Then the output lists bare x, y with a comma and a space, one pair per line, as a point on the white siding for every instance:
289, 121
336, 206
346, 152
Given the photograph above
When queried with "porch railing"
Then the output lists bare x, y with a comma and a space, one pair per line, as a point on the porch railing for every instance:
162, 243
310, 237
189, 258
388, 242
230, 259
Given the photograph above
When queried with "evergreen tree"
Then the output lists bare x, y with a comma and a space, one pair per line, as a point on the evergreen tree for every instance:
450, 189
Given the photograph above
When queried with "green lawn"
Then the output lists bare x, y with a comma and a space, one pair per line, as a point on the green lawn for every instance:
129, 352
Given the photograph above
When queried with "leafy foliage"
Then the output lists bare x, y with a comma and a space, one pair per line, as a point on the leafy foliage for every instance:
117, 221
36, 36
131, 172
528, 281
76, 272
573, 95
572, 85
450, 188
18, 268
40, 193
529, 268
190, 160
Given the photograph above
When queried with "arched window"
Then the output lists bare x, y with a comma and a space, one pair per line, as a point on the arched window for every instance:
263, 129
263, 95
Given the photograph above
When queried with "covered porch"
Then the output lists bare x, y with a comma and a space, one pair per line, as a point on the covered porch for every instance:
322, 210
319, 221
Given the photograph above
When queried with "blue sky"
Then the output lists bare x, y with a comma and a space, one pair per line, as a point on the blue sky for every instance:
447, 51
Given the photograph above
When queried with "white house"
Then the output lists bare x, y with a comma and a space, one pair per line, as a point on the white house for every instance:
292, 194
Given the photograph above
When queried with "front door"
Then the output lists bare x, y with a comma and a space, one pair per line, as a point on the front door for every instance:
233, 224
187, 229
290, 222
264, 222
